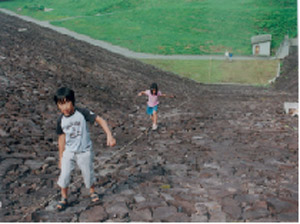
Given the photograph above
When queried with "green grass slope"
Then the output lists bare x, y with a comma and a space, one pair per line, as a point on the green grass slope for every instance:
169, 26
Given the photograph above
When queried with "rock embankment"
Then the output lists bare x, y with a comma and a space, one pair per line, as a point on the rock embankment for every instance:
288, 79
221, 153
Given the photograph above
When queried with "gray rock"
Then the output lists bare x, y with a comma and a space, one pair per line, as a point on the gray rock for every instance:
288, 217
199, 218
3, 133
51, 160
139, 198
167, 197
217, 216
42, 216
179, 217
94, 214
232, 208
177, 169
252, 215
163, 213
143, 215
33, 164
280, 205
8, 164
186, 206
118, 209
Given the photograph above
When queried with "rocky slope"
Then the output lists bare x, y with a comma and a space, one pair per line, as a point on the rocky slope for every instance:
288, 79
222, 152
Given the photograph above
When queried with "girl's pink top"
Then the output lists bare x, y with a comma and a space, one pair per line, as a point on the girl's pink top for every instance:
152, 99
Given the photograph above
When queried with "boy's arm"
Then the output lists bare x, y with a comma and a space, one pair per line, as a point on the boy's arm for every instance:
61, 147
110, 139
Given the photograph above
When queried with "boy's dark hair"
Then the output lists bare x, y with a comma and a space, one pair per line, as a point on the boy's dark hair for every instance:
64, 94
152, 87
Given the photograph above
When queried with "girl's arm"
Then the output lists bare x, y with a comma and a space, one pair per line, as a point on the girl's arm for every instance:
142, 93
110, 139
61, 147
165, 95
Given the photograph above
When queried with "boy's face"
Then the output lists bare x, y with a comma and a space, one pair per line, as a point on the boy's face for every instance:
66, 107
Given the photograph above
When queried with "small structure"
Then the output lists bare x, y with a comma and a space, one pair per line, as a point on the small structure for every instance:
261, 45
291, 108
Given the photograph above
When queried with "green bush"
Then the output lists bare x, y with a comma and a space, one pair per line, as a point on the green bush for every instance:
279, 19
35, 7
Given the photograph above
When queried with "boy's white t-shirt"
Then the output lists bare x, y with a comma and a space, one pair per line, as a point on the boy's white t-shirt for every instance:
152, 99
76, 130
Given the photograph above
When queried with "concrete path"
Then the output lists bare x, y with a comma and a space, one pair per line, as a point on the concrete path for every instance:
124, 51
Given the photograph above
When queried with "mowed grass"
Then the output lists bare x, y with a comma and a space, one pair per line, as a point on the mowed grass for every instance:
191, 27
170, 26
253, 72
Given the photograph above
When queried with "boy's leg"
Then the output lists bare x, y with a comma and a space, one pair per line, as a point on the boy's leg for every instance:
64, 192
63, 203
85, 163
67, 165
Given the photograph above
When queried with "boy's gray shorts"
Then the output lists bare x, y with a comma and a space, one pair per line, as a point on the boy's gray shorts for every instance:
85, 162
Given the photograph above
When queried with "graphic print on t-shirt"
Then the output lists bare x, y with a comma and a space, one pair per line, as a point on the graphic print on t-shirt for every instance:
73, 129
76, 130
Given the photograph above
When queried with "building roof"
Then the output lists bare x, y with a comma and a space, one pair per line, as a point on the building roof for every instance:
261, 38
294, 41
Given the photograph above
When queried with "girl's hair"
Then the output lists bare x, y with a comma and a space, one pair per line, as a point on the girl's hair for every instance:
154, 87
64, 94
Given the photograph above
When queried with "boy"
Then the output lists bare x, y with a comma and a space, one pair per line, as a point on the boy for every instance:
74, 143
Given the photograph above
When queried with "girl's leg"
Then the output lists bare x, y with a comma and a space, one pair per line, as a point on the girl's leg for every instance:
154, 117
92, 189
154, 125
149, 111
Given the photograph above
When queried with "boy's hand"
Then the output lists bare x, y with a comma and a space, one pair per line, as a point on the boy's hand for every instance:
111, 141
139, 94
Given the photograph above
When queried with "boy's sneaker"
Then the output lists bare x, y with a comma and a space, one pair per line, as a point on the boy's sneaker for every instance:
154, 127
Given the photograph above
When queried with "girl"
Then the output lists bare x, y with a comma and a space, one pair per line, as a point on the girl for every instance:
152, 104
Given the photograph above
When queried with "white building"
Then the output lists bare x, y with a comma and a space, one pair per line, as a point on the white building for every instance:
261, 45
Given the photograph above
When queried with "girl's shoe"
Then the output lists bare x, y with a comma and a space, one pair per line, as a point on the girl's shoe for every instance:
154, 127
94, 197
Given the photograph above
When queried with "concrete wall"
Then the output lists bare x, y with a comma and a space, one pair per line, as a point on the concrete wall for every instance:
283, 49
264, 48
